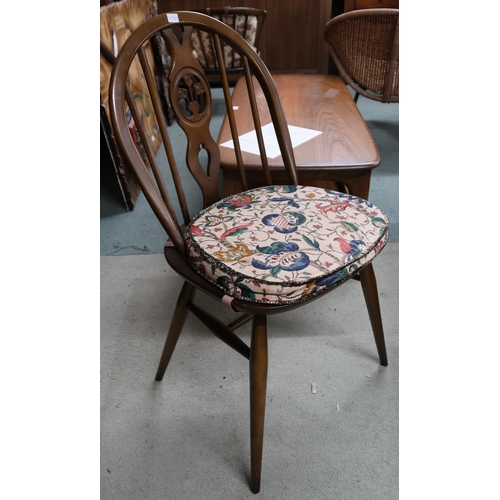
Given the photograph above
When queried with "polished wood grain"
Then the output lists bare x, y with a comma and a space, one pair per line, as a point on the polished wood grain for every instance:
293, 44
299, 46
258, 390
341, 157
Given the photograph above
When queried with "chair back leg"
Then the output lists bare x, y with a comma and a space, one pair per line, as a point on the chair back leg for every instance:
370, 291
180, 314
258, 388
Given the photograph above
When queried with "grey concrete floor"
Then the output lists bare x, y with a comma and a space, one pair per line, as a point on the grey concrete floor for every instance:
187, 437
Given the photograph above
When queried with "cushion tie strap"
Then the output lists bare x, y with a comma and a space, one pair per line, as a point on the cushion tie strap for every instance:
227, 300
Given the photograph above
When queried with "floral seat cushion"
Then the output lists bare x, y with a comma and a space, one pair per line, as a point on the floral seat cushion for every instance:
284, 244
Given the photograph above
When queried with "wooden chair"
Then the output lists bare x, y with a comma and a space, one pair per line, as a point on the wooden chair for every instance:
246, 21
261, 252
364, 45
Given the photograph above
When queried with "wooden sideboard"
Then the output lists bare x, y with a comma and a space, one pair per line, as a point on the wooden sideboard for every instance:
292, 40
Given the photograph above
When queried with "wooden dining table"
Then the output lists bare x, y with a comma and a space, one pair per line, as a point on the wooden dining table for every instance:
342, 154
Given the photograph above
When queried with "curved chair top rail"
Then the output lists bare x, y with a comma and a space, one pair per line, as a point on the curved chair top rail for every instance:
245, 12
248, 22
364, 44
195, 120
352, 14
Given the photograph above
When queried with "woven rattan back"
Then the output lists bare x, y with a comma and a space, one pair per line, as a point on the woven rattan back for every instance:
191, 101
364, 45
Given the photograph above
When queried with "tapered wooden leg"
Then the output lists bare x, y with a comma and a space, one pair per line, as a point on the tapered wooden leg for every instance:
370, 291
258, 387
178, 320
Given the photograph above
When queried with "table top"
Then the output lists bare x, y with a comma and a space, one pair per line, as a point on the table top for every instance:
317, 102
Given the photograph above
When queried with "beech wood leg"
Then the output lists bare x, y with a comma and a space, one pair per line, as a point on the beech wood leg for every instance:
370, 291
258, 386
178, 320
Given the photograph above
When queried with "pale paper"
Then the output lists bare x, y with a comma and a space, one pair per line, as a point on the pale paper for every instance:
249, 144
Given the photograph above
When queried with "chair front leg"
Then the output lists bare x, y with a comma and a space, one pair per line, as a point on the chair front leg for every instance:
258, 387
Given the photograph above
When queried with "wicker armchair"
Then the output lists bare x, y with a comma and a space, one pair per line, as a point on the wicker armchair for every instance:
364, 45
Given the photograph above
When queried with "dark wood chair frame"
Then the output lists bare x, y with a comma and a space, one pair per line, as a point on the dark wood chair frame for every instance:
194, 120
364, 45
234, 72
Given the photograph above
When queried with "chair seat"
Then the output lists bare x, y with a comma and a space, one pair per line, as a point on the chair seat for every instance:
284, 244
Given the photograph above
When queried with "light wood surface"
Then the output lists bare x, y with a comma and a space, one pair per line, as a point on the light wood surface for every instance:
341, 157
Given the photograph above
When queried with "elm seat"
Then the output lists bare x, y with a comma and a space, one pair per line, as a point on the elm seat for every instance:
284, 244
